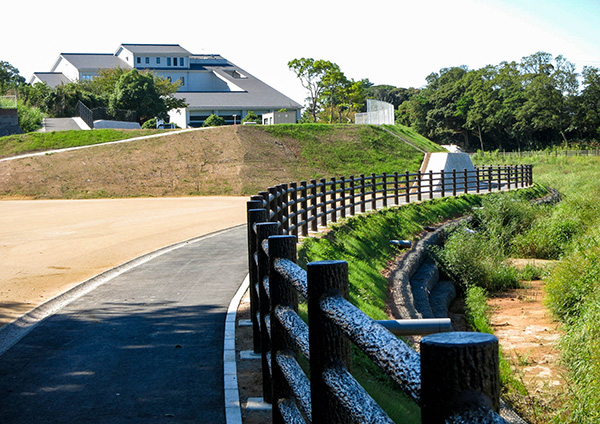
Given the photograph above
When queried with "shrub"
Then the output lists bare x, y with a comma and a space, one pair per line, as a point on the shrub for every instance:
150, 124
472, 259
214, 121
251, 117
30, 118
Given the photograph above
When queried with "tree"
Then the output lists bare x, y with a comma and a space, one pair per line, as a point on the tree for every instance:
587, 108
311, 74
214, 121
9, 78
138, 91
251, 117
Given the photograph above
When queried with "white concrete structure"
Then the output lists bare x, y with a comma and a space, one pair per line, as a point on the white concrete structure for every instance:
448, 162
279, 118
378, 113
210, 84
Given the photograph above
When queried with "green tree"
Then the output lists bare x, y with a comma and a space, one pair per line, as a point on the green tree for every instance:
9, 78
214, 121
587, 115
311, 73
138, 91
251, 117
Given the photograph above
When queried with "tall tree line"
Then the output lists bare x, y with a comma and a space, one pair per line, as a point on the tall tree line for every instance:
539, 102
535, 103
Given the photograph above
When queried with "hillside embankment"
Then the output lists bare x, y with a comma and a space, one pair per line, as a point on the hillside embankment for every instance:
238, 160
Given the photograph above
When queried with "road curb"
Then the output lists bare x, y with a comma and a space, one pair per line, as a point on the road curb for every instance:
233, 411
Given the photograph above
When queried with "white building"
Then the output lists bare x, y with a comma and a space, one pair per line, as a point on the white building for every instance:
210, 83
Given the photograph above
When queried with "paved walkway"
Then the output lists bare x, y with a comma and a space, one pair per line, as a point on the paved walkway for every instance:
145, 346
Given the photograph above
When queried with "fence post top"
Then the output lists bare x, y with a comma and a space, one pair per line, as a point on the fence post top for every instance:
282, 236
327, 263
266, 224
458, 338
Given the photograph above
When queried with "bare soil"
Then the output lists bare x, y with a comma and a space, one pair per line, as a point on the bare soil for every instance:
528, 336
216, 161
49, 246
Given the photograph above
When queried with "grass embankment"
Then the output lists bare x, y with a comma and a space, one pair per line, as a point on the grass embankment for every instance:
239, 160
19, 144
363, 241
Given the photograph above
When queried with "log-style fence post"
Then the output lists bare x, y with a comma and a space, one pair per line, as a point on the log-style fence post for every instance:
407, 186
499, 178
284, 216
466, 182
273, 204
396, 189
293, 207
282, 294
477, 176
304, 207
263, 232
323, 202
333, 200
352, 196
255, 215
313, 205
266, 204
384, 184
443, 182
430, 184
373, 192
419, 185
363, 196
459, 372
454, 182
328, 345
489, 169
343, 197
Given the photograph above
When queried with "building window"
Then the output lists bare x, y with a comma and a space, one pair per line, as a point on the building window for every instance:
168, 61
158, 60
181, 61
174, 61
139, 60
147, 60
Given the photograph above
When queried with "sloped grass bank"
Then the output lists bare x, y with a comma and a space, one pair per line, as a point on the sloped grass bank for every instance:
14, 145
349, 149
363, 241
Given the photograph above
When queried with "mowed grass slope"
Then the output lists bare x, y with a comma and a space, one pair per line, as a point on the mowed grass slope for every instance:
239, 160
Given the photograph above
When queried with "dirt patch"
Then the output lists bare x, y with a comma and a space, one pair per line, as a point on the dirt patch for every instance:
528, 335
48, 246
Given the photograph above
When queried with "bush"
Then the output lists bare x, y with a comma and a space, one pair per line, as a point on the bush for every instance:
251, 117
150, 124
30, 118
214, 121
472, 259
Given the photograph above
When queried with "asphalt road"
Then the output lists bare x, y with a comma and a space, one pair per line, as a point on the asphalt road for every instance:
146, 346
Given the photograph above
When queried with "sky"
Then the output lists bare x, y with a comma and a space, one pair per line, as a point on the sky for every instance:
394, 42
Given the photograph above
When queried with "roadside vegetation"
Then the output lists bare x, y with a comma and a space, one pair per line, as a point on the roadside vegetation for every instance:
569, 232
363, 241
476, 256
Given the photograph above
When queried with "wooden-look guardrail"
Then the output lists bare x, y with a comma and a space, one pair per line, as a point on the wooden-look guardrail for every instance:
455, 377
